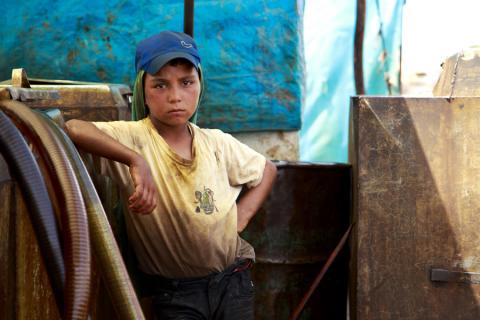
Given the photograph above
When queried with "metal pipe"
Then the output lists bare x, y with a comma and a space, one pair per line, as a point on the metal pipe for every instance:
358, 48
188, 17
298, 310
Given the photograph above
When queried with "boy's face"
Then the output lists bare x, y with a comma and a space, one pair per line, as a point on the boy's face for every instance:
172, 94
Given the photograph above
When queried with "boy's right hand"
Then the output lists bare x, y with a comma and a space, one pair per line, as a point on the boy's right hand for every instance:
91, 139
144, 198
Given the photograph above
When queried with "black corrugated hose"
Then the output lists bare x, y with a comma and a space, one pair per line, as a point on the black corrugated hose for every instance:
26, 172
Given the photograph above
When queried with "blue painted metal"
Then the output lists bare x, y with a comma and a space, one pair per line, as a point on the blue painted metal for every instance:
252, 51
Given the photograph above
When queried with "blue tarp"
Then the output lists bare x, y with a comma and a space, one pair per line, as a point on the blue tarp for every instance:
252, 56
329, 41
252, 51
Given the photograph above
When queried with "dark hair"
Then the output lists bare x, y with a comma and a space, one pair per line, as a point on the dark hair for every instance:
180, 61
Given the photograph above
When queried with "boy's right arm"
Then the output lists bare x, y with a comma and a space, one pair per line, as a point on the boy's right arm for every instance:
91, 139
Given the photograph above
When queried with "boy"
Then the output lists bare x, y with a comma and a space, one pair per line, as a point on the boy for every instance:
182, 183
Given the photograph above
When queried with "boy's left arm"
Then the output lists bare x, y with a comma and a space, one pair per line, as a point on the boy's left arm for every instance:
253, 198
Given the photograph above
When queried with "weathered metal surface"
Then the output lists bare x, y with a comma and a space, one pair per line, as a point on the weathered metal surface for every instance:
92, 102
34, 295
460, 74
19, 78
442, 275
4, 93
24, 94
25, 291
416, 165
7, 249
293, 234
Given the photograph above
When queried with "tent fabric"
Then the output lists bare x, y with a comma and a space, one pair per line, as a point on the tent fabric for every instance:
252, 51
329, 27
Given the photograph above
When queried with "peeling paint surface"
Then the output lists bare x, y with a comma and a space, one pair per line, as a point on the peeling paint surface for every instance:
252, 51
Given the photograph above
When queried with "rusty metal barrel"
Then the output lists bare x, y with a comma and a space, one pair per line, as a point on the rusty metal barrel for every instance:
294, 233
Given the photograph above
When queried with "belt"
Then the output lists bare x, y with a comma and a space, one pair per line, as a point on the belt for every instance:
151, 283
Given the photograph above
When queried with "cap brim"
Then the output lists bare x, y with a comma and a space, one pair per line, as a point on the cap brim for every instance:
161, 60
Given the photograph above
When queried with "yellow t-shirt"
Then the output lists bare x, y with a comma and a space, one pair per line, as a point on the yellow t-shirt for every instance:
193, 230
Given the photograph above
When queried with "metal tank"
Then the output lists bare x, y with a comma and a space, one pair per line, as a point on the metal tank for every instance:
294, 233
416, 164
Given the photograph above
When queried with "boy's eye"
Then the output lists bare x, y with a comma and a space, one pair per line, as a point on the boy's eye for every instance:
187, 82
160, 85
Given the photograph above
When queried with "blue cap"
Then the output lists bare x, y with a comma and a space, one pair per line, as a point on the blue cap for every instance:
154, 52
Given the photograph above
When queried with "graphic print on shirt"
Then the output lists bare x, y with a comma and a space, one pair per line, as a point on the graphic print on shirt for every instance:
205, 201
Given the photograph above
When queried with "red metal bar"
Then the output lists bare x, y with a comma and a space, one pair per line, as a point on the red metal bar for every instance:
298, 310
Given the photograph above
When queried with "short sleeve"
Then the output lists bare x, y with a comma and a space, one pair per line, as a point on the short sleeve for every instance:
244, 165
118, 130
121, 131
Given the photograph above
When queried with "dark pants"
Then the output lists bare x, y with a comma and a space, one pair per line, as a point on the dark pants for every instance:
226, 295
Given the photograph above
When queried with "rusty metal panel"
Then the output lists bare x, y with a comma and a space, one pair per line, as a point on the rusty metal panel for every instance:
4, 94
91, 102
7, 249
416, 167
34, 295
25, 291
293, 234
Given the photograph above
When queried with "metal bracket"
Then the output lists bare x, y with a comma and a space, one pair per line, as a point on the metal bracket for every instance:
23, 94
19, 78
443, 275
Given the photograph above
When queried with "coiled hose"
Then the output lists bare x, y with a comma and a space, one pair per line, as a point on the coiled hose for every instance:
25, 169
74, 217
104, 245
